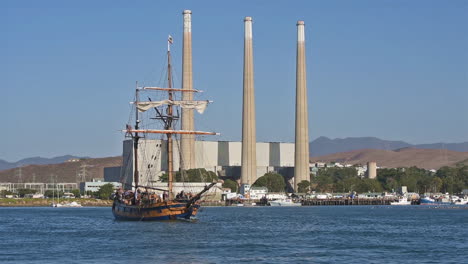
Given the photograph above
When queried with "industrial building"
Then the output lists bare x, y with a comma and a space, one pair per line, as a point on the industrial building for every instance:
95, 185
221, 157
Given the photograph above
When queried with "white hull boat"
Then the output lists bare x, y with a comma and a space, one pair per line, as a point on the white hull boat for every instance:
72, 204
402, 201
284, 202
460, 201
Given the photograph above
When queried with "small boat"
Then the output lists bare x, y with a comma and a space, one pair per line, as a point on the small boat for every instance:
427, 201
460, 201
402, 201
72, 204
284, 202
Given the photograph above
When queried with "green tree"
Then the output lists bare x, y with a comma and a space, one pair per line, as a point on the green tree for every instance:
303, 187
389, 178
192, 175
23, 192
105, 191
369, 185
164, 177
273, 181
323, 182
436, 184
5, 192
230, 184
76, 192
50, 193
348, 185
454, 179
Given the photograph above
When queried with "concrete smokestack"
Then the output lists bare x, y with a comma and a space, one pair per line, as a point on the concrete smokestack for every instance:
301, 155
187, 141
371, 169
249, 155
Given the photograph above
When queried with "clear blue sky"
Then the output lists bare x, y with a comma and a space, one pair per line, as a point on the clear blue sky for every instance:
391, 69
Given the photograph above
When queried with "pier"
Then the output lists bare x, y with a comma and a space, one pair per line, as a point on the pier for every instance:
346, 201
324, 202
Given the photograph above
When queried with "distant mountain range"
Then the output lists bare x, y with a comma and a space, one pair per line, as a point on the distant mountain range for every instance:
405, 157
325, 146
5, 165
65, 171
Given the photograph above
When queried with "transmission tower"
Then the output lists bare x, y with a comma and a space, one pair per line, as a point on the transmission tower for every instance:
82, 173
20, 174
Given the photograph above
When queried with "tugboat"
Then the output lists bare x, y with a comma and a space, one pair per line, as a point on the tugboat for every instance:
143, 203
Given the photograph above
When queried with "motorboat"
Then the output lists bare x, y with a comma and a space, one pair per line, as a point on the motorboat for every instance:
460, 201
427, 201
284, 202
72, 204
402, 201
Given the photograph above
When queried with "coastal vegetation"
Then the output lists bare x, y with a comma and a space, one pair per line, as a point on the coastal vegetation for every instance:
303, 187
446, 179
273, 181
192, 175
105, 191
231, 185
11, 202
346, 180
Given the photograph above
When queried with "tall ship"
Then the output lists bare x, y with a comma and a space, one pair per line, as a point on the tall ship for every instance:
143, 201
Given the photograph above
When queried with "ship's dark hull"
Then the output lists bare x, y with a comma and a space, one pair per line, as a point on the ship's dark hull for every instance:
170, 210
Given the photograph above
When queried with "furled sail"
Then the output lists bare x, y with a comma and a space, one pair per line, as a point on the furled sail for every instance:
200, 106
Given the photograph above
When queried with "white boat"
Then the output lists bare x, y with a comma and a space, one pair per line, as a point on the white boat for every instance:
72, 204
284, 202
460, 201
402, 201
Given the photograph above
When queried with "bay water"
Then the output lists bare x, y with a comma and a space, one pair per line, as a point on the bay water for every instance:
325, 234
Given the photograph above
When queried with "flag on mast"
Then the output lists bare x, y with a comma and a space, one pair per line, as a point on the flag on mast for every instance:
169, 42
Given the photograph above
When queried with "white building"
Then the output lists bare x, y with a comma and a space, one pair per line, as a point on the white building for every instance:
94, 186
361, 171
257, 192
275, 196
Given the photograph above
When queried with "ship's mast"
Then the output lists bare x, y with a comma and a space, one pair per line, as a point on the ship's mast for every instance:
168, 122
136, 137
170, 164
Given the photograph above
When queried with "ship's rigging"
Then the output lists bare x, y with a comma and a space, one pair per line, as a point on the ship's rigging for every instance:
167, 111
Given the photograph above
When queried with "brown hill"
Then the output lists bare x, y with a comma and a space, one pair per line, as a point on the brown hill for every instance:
406, 157
65, 172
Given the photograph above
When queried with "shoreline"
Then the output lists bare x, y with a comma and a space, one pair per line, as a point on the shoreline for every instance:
39, 202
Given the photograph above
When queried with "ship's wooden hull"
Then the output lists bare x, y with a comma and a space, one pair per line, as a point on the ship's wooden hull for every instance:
170, 210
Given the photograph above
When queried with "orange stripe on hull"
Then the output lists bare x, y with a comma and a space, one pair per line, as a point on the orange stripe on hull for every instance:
157, 211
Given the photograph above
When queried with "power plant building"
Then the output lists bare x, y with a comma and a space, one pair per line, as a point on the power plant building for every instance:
221, 157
